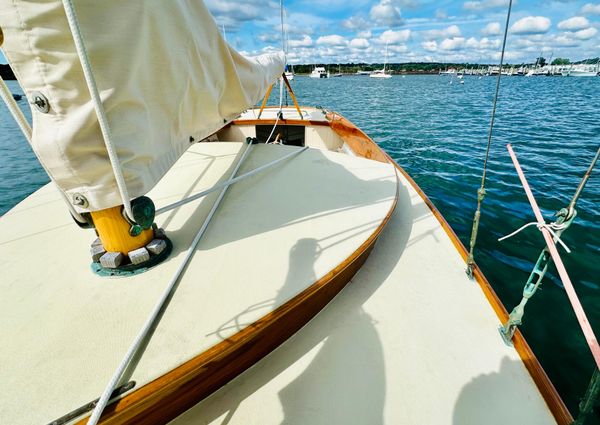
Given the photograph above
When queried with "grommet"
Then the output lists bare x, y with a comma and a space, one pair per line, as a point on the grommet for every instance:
40, 102
80, 200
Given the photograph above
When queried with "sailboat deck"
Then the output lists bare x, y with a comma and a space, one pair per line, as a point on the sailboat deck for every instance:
65, 330
410, 340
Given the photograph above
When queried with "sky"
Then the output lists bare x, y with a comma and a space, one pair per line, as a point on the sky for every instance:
344, 31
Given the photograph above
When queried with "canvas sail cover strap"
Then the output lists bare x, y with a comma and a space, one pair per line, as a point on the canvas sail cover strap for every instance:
165, 76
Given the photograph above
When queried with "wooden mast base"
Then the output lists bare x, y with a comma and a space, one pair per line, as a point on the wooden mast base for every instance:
113, 231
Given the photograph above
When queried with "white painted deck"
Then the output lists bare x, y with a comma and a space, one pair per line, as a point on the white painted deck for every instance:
411, 340
65, 330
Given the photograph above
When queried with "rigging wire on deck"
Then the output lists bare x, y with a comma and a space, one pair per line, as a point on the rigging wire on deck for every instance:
481, 190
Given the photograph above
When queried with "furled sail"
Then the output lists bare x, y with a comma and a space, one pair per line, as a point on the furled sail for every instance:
165, 75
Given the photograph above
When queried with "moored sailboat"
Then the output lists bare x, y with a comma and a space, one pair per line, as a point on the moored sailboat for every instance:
381, 73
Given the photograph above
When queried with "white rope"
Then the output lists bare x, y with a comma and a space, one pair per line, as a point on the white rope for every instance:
97, 101
23, 124
552, 228
273, 129
15, 111
229, 182
279, 112
150, 322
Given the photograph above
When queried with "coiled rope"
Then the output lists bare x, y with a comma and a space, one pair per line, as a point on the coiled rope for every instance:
481, 190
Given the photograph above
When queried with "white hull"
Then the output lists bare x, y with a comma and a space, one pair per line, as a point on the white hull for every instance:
575, 73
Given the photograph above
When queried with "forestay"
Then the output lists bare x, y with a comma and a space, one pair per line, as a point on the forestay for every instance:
165, 75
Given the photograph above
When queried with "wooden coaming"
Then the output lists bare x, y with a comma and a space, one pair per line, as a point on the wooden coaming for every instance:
305, 123
354, 137
170, 395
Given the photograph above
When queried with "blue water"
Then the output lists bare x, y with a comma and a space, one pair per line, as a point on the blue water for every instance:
437, 132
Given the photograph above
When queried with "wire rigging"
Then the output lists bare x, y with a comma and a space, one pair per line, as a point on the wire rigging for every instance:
481, 190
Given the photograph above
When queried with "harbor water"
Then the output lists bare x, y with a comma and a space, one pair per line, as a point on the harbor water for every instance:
436, 129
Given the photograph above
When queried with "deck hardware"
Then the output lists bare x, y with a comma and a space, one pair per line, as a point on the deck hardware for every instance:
130, 268
144, 211
565, 217
90, 406
139, 255
112, 260
534, 281
80, 200
192, 140
586, 406
97, 252
40, 102
156, 246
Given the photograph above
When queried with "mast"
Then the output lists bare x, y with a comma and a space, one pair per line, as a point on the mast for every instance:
386, 57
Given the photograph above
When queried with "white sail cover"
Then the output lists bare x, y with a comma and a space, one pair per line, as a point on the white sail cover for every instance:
164, 73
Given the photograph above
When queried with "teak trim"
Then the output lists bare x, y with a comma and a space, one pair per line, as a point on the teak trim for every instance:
305, 123
538, 374
355, 138
170, 395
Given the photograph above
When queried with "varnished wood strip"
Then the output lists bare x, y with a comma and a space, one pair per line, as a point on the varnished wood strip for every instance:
537, 372
170, 395
359, 142
306, 123
291, 92
266, 98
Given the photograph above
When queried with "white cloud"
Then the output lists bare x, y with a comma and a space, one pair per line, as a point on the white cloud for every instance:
234, 13
386, 12
455, 43
575, 23
484, 4
333, 40
451, 31
394, 37
585, 34
565, 41
493, 28
359, 43
483, 44
430, 46
531, 25
440, 14
306, 41
355, 23
364, 34
591, 9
